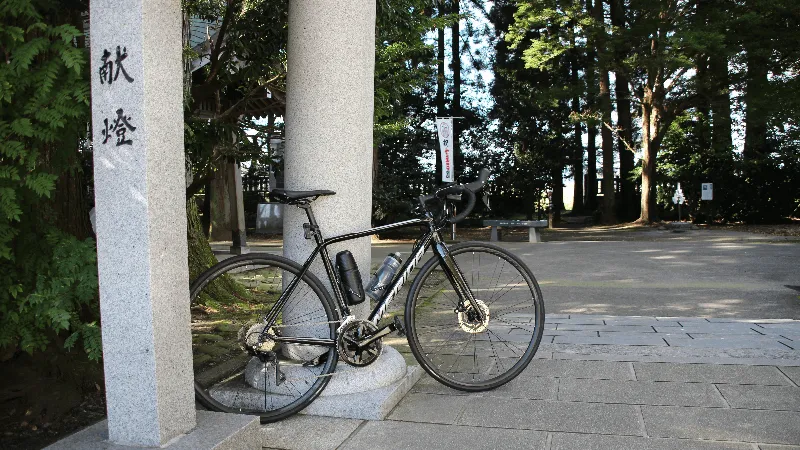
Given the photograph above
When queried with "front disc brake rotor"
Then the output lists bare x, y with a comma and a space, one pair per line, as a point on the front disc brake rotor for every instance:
471, 322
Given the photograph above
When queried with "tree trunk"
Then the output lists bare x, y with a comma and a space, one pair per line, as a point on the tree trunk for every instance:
439, 88
591, 168
558, 193
604, 84
72, 205
458, 160
591, 148
756, 111
609, 207
577, 158
654, 126
222, 290
577, 163
624, 120
648, 161
721, 140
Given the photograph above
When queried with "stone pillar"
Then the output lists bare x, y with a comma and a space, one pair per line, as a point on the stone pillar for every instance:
238, 233
329, 112
137, 117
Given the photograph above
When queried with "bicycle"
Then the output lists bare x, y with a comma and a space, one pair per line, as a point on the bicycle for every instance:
473, 317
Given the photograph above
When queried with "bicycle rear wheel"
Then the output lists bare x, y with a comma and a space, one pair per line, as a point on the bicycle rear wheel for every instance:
452, 343
229, 302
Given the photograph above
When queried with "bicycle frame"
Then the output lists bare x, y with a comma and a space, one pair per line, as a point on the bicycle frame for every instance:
431, 236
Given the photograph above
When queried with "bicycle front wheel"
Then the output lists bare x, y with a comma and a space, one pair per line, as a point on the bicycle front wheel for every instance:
452, 343
241, 367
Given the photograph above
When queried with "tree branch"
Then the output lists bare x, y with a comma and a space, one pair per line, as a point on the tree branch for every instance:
616, 131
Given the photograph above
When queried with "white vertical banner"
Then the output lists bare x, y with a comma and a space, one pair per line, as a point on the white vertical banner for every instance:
444, 126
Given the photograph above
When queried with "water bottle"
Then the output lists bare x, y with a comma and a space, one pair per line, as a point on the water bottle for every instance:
383, 277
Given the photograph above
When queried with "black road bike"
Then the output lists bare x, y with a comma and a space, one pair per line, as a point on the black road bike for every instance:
267, 334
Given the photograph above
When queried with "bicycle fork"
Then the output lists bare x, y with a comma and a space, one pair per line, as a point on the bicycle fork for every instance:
455, 276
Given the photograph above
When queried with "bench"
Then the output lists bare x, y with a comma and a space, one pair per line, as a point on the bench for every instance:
532, 225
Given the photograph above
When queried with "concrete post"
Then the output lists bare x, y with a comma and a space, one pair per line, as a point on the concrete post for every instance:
139, 180
137, 118
329, 112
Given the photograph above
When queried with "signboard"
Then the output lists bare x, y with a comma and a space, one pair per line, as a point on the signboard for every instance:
678, 197
707, 191
444, 127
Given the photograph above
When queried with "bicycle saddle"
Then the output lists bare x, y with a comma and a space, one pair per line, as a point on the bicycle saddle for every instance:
290, 197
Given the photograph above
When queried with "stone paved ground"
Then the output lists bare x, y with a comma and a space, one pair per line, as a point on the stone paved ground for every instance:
599, 383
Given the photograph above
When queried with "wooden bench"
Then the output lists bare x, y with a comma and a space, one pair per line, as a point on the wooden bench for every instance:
532, 225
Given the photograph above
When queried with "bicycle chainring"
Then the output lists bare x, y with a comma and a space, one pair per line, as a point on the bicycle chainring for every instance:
347, 344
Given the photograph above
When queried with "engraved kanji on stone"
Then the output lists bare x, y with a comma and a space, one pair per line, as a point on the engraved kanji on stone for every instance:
118, 127
107, 69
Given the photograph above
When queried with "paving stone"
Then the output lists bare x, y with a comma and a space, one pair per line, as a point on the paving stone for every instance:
733, 319
429, 408
538, 388
308, 432
780, 328
578, 321
427, 385
548, 317
652, 339
628, 328
573, 441
728, 342
710, 373
712, 328
412, 436
570, 333
776, 398
595, 316
793, 373
640, 393
552, 416
633, 321
683, 320
769, 427
648, 335
560, 368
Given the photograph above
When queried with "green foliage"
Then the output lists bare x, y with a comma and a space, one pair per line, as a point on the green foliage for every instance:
48, 279
749, 190
405, 69
531, 105
246, 56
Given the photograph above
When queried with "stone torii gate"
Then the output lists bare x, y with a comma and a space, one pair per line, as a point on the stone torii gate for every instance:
137, 123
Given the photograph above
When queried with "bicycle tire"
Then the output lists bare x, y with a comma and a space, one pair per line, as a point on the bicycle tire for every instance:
506, 341
227, 302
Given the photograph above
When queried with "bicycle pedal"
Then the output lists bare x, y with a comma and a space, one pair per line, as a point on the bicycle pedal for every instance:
399, 326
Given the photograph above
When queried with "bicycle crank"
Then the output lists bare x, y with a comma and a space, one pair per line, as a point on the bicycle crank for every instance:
358, 343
